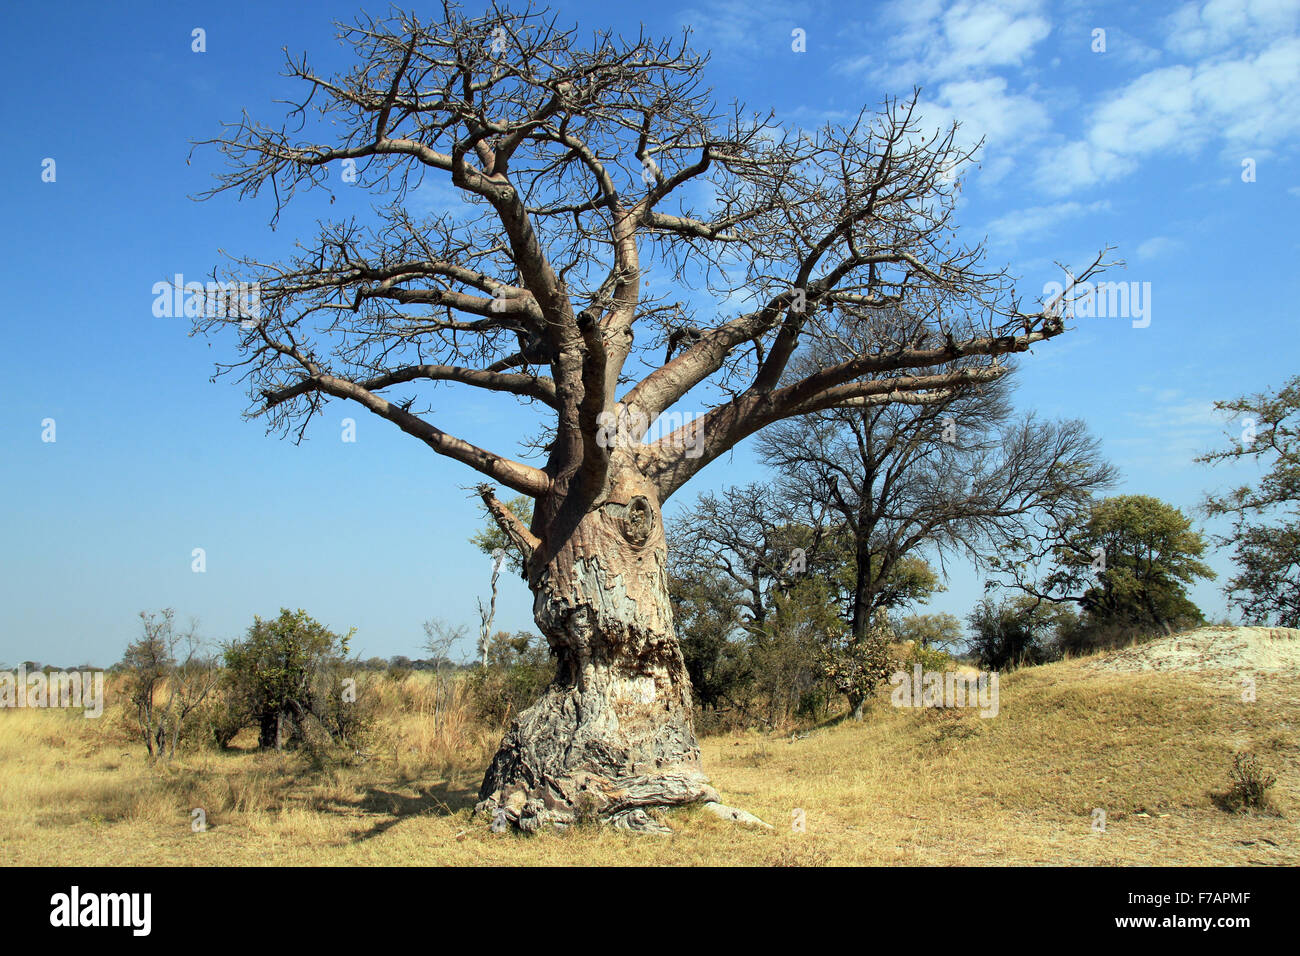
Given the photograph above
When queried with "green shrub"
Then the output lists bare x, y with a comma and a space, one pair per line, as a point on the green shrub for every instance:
288, 675
930, 658
519, 668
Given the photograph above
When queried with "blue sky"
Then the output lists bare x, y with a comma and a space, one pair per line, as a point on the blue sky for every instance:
1140, 145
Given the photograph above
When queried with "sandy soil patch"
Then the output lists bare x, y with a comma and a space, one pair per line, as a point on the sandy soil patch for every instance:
1229, 650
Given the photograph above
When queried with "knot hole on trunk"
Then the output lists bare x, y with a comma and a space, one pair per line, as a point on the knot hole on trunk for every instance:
637, 521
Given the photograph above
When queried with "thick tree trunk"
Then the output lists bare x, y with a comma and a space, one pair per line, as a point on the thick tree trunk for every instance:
864, 591
612, 737
268, 737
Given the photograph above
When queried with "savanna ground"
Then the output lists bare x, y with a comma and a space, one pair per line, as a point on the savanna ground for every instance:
1152, 747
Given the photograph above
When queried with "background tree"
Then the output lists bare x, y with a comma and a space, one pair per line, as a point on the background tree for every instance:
762, 540
1127, 568
1265, 532
712, 639
732, 556
958, 474
439, 639
757, 542
1017, 630
790, 650
284, 673
168, 678
782, 569
942, 631
577, 159
497, 545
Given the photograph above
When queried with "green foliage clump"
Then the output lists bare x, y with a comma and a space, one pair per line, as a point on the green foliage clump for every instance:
519, 668
1265, 517
1151, 556
1017, 631
930, 658
490, 538
717, 659
857, 664
1127, 568
291, 677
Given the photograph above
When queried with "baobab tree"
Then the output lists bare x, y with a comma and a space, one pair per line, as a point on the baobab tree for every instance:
584, 163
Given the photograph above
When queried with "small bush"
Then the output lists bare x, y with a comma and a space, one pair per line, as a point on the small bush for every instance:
219, 720
930, 659
519, 669
1016, 631
1250, 783
167, 680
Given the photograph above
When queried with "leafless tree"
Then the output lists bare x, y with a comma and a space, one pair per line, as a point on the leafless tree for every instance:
168, 676
585, 163
488, 613
755, 539
440, 638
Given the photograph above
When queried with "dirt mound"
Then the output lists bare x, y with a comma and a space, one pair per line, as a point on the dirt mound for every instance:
1234, 649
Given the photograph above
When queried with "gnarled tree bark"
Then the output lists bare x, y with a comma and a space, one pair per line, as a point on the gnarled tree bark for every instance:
613, 734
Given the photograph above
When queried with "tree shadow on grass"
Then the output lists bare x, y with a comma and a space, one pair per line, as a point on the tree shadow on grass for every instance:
827, 723
389, 807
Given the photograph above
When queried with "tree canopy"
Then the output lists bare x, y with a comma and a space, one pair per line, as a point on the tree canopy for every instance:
1265, 531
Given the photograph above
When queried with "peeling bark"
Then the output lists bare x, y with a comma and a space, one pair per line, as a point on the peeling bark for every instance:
612, 737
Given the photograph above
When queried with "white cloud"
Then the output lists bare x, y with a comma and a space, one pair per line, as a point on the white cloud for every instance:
934, 41
1238, 94
743, 27
1157, 246
957, 52
1246, 105
1169, 427
987, 111
1129, 49
1198, 29
1173, 410
1039, 220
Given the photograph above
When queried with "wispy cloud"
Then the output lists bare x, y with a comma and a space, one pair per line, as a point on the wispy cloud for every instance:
1246, 104
731, 28
1169, 428
962, 55
1157, 246
933, 41
1197, 29
1039, 220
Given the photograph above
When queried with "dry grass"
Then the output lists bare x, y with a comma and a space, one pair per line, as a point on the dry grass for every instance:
904, 786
